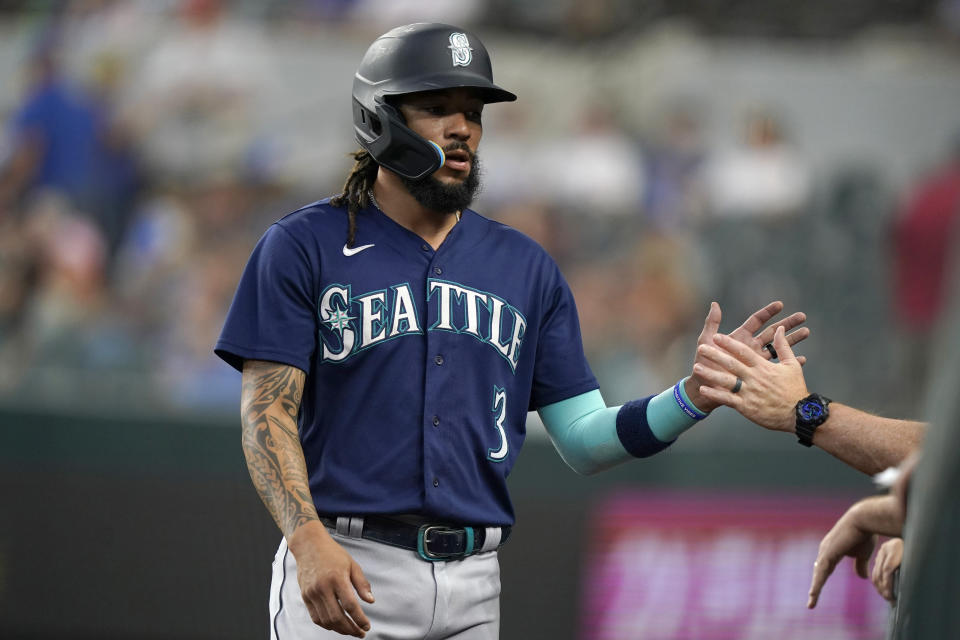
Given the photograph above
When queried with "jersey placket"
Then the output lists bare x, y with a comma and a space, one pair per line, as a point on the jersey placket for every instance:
437, 417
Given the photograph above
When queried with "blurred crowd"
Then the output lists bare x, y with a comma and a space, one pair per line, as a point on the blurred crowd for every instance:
140, 160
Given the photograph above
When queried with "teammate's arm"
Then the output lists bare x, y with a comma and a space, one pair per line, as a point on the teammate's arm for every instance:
328, 576
769, 394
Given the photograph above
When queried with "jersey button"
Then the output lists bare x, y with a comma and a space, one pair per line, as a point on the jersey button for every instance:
425, 247
437, 270
436, 421
436, 482
438, 359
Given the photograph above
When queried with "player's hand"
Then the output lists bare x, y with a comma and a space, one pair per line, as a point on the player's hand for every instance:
846, 538
768, 392
753, 334
886, 563
330, 581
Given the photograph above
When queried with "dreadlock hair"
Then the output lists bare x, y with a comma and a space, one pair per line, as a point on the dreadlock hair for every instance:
356, 189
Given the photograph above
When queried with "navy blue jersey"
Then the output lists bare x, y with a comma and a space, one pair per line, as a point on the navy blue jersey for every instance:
421, 365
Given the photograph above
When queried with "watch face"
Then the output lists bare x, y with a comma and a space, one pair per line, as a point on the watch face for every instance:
811, 410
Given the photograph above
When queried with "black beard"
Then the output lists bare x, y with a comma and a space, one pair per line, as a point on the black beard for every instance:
446, 198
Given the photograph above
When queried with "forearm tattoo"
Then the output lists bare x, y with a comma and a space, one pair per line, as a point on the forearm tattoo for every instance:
270, 403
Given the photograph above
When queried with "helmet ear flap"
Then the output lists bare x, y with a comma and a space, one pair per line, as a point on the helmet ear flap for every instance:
369, 119
394, 145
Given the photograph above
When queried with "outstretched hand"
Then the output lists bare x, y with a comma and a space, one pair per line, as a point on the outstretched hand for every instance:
844, 539
753, 335
767, 393
757, 323
855, 535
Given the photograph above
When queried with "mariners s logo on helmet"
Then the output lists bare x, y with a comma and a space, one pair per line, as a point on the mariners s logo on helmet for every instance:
460, 49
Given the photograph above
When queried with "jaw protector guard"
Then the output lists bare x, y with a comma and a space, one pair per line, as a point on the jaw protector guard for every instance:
409, 59
394, 145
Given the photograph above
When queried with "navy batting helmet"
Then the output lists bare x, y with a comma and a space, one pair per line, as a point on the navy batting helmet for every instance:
408, 59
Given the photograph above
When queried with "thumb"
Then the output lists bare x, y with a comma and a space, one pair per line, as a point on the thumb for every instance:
360, 582
712, 322
784, 352
862, 566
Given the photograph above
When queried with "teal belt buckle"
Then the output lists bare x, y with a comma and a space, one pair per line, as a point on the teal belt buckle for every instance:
430, 556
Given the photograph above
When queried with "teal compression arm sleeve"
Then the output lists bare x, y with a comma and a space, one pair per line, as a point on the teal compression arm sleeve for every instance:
584, 432
591, 437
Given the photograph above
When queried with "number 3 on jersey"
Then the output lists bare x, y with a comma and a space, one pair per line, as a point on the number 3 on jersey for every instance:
500, 409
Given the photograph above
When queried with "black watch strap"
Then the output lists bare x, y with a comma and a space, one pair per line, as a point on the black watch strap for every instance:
811, 412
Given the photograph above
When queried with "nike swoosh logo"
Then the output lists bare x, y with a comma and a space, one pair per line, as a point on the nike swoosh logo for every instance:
347, 251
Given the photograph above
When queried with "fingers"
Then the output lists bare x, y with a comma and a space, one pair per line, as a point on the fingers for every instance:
861, 566
876, 576
360, 583
715, 378
345, 602
742, 344
742, 352
885, 585
349, 603
716, 385
720, 396
788, 323
798, 336
822, 569
782, 345
333, 604
880, 577
759, 318
711, 324
793, 339
723, 359
326, 611
887, 562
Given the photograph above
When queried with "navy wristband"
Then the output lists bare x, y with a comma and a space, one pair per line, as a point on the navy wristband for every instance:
634, 430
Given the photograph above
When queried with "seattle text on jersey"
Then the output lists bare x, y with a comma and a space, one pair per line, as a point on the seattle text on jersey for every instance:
359, 322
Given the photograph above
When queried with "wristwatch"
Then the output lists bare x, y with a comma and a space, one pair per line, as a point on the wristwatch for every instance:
811, 412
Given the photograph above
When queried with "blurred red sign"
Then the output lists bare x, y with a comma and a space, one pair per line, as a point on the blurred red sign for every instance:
671, 566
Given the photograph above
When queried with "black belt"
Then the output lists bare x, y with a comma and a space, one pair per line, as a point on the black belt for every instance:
433, 542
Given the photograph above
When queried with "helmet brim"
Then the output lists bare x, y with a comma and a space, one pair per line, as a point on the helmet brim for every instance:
487, 91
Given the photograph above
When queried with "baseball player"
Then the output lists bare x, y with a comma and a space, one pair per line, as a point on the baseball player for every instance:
392, 342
